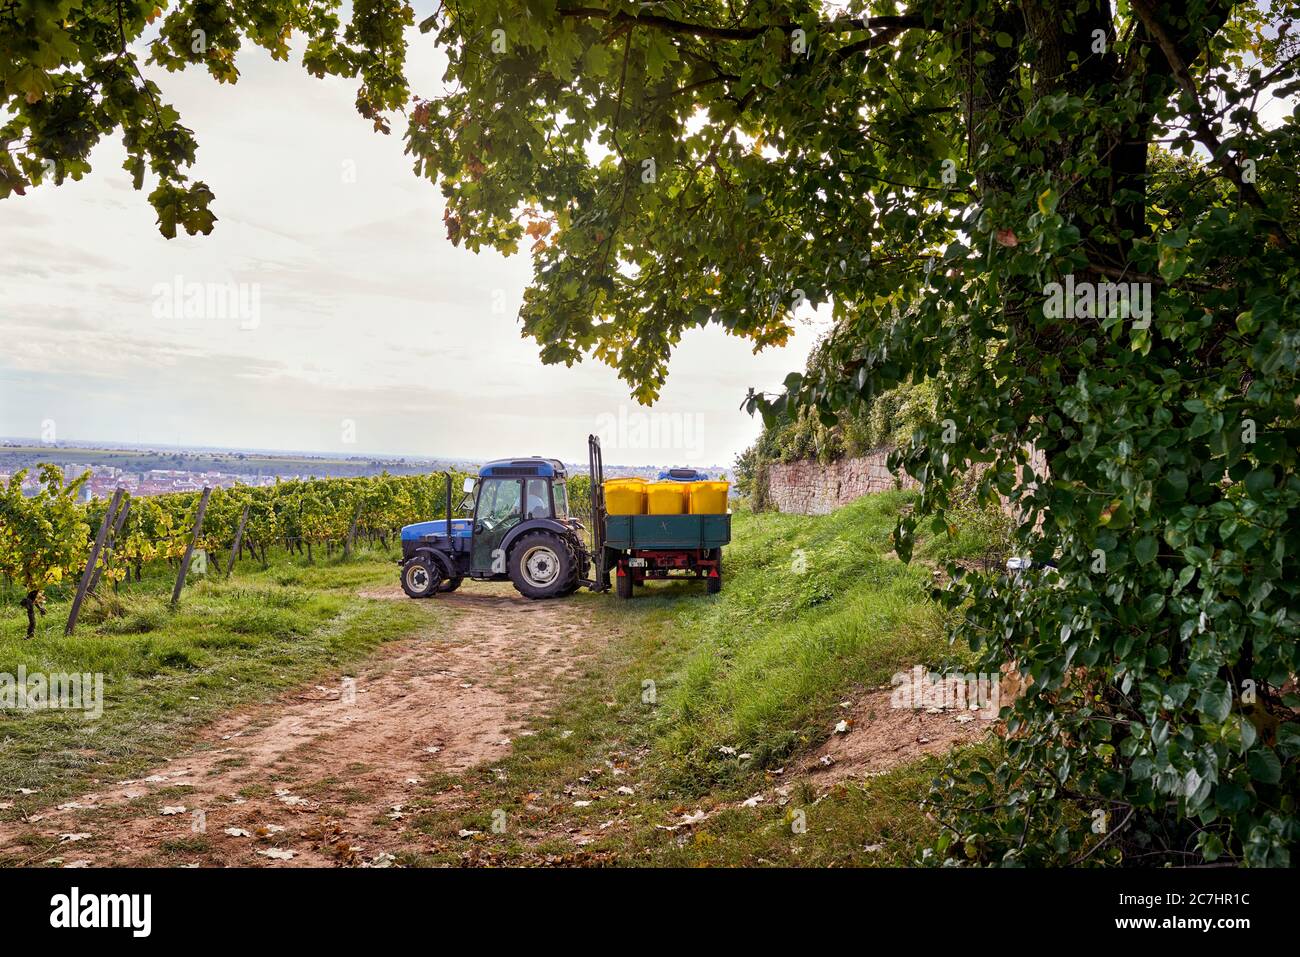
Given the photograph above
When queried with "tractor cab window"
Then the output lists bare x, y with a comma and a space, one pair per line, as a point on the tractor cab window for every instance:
561, 491
539, 504
498, 503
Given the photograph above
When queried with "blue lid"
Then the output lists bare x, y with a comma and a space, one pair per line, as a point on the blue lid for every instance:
683, 475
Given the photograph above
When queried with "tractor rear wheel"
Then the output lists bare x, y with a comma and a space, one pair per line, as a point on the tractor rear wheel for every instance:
543, 565
420, 578
623, 585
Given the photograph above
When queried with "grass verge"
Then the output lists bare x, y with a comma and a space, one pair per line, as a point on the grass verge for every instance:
165, 671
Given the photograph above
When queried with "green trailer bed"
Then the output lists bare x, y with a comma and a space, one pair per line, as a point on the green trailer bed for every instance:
667, 531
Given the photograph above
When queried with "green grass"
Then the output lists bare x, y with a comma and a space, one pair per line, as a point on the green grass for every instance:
758, 668
166, 671
810, 608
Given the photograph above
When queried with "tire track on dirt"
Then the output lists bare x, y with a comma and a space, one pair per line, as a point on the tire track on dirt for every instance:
326, 772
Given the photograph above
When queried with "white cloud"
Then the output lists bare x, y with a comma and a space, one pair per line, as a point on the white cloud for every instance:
367, 312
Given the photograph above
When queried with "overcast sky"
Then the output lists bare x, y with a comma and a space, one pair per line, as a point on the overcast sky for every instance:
362, 329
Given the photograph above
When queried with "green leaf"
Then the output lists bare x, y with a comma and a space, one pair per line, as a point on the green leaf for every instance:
1215, 701
1145, 550
1264, 765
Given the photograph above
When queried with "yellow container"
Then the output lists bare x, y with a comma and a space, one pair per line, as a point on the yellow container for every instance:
666, 498
708, 498
625, 496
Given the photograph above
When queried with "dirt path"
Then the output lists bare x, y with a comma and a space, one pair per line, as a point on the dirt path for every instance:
327, 775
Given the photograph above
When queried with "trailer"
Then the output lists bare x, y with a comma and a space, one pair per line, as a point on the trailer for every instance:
641, 548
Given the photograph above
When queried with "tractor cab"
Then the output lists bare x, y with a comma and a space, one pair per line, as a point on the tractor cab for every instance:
512, 494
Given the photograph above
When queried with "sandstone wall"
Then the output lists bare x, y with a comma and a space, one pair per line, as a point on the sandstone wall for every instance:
810, 488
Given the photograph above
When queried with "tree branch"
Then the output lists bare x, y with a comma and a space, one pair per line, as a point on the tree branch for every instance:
839, 24
1204, 130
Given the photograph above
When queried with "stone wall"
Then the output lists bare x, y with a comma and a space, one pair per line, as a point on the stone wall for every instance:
811, 488
808, 487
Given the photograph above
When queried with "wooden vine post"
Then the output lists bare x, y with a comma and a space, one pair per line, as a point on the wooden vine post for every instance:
110, 543
350, 541
89, 571
189, 549
239, 537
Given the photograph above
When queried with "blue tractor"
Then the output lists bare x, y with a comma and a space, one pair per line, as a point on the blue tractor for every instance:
519, 529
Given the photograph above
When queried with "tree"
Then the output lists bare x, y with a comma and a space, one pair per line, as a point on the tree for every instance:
1078, 222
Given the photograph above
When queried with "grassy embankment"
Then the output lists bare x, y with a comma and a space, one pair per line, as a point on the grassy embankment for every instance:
812, 611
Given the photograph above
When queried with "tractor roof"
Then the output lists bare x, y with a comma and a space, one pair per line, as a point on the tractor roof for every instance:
534, 466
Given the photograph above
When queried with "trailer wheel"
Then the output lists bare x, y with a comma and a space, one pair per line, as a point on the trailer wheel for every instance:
543, 566
420, 578
623, 585
713, 585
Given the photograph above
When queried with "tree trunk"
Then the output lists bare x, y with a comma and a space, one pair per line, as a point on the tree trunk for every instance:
32, 606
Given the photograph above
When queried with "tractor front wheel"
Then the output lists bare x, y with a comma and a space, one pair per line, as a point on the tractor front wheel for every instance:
543, 565
420, 578
451, 584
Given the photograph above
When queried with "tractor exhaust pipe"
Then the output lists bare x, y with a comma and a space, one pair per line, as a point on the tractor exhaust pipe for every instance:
448, 477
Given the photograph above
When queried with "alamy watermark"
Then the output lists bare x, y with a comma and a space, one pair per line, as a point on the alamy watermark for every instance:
1098, 300
973, 691
38, 691
179, 299
667, 431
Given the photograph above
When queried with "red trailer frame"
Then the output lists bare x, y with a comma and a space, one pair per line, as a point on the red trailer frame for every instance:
645, 563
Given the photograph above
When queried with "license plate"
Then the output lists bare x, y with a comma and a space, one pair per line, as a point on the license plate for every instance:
636, 563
